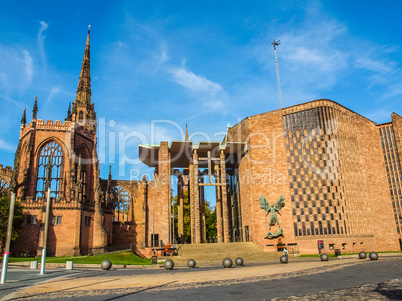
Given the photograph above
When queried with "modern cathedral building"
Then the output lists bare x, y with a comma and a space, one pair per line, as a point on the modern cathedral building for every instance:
308, 176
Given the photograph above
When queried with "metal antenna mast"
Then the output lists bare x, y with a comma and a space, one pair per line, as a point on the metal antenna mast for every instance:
276, 43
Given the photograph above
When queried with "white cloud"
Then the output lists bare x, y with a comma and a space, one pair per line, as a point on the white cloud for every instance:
377, 66
194, 82
28, 67
7, 146
162, 57
16, 70
54, 91
41, 39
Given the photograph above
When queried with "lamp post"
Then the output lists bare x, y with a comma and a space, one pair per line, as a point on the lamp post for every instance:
8, 239
48, 184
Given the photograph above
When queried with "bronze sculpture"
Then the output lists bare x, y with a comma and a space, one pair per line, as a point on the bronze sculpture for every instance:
274, 218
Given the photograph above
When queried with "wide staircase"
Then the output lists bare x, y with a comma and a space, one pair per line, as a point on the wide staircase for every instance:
214, 253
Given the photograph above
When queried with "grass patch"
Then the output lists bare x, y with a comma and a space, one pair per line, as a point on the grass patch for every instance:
124, 258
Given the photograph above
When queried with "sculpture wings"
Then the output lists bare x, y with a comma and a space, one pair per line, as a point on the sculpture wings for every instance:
263, 203
280, 203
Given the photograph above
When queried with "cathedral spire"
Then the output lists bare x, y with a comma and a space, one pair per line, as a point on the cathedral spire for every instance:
186, 132
83, 108
84, 84
35, 109
24, 118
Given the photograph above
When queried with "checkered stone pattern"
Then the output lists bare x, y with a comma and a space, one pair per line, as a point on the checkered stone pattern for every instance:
314, 175
394, 172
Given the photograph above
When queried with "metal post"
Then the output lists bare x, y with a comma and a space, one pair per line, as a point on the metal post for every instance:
173, 235
43, 262
8, 239
276, 43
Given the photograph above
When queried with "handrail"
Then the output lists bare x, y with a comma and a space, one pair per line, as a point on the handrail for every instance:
260, 245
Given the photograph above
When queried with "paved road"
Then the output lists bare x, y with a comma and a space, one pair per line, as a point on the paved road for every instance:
342, 279
19, 279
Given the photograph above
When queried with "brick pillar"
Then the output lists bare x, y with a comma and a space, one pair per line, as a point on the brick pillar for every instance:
219, 232
196, 192
225, 209
144, 222
100, 235
191, 195
163, 202
77, 233
180, 209
202, 211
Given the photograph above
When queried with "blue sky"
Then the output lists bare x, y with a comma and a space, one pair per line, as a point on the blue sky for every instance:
156, 64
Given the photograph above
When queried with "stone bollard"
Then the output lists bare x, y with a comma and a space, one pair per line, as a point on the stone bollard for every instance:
362, 255
239, 261
191, 263
373, 256
34, 265
324, 257
106, 264
283, 259
69, 265
227, 263
169, 264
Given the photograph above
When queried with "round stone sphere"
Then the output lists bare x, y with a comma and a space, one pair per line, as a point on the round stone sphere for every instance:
239, 261
362, 255
284, 259
227, 263
191, 263
373, 256
169, 264
106, 264
324, 257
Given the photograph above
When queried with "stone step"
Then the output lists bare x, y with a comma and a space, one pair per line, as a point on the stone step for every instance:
209, 253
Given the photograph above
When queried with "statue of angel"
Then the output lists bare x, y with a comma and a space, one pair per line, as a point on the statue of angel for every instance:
274, 218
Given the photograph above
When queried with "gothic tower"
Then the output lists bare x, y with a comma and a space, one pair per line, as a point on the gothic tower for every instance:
65, 153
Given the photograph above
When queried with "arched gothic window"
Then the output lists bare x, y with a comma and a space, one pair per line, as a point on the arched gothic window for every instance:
80, 116
4, 185
53, 153
123, 205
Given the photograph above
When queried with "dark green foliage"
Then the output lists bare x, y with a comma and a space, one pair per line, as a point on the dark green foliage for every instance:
17, 221
210, 218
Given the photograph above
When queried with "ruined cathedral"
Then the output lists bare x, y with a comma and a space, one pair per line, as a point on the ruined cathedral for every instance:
337, 175
83, 206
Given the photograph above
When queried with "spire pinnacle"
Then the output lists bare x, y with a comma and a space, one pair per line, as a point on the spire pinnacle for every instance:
69, 112
24, 118
84, 83
186, 132
35, 109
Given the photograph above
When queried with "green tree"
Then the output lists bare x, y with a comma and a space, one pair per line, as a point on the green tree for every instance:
186, 216
17, 220
210, 218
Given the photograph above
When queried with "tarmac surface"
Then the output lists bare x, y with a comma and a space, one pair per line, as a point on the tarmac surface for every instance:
300, 279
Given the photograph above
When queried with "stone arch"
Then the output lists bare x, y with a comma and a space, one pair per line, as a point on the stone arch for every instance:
50, 161
56, 140
85, 173
4, 187
124, 205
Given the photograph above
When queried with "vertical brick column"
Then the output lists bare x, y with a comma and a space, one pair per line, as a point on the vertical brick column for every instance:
180, 207
225, 209
196, 193
144, 214
191, 195
202, 211
77, 233
219, 232
163, 202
